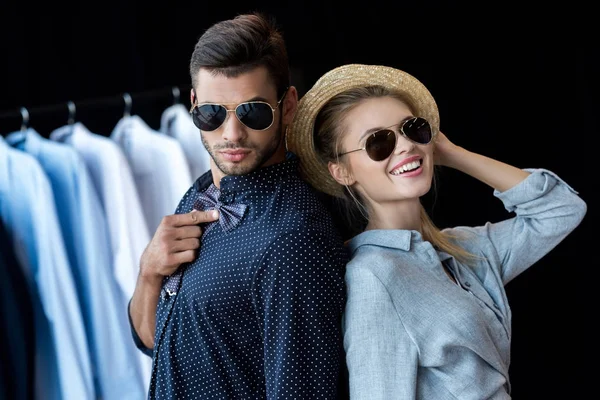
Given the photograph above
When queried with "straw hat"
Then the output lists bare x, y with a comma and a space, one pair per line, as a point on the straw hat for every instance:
300, 132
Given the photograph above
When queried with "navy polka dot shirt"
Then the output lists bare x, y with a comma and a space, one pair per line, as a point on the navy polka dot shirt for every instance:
258, 314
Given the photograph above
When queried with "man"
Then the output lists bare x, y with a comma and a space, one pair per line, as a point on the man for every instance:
246, 305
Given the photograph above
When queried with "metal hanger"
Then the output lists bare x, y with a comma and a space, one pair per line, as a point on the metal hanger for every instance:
176, 94
72, 110
24, 119
127, 100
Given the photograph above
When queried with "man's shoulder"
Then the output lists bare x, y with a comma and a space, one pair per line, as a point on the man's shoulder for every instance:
307, 212
301, 192
302, 204
309, 198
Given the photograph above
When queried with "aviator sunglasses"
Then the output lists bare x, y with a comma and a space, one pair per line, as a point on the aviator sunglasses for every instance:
381, 144
256, 115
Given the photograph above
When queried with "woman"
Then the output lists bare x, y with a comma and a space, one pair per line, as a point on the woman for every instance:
427, 314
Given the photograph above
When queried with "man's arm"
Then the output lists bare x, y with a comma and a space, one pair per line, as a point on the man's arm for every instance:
175, 242
299, 295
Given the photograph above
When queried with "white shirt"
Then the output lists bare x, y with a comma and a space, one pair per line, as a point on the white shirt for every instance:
176, 122
159, 167
113, 179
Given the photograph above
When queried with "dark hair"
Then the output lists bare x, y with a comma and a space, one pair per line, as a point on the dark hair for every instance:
236, 46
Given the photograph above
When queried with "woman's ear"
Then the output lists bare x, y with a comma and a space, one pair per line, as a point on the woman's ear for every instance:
340, 173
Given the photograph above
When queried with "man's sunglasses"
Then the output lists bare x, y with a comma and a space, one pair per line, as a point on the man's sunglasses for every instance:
256, 115
381, 144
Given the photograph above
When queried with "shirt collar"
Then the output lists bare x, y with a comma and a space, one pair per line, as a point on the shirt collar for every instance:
172, 115
391, 238
66, 132
265, 178
28, 140
128, 124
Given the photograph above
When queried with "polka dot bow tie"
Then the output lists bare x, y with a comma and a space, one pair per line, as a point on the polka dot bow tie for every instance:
230, 215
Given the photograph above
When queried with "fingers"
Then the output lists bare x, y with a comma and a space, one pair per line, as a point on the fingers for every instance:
198, 217
194, 217
184, 257
186, 232
177, 240
185, 245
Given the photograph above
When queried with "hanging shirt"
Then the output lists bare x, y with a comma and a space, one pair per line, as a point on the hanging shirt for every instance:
176, 122
17, 331
83, 225
258, 314
159, 167
63, 364
127, 230
410, 332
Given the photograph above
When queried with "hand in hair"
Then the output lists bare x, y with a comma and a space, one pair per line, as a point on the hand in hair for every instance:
444, 151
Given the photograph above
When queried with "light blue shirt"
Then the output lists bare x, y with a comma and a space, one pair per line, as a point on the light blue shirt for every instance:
410, 332
176, 122
111, 176
63, 366
83, 225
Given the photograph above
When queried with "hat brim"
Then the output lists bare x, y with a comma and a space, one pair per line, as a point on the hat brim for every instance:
300, 132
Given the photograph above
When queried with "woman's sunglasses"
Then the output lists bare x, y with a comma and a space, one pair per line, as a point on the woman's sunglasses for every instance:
256, 115
381, 144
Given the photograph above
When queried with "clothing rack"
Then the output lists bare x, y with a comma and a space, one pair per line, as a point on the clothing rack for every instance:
126, 100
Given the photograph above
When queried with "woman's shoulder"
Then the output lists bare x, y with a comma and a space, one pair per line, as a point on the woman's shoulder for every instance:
383, 263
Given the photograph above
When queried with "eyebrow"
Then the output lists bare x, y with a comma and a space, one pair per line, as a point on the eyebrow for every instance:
373, 130
255, 98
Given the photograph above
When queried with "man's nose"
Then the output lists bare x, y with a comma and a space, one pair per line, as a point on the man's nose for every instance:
233, 130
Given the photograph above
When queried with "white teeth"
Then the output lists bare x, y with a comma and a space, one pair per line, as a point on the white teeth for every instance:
407, 167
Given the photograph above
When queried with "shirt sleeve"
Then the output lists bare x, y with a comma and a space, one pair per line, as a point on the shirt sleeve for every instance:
299, 295
547, 210
381, 356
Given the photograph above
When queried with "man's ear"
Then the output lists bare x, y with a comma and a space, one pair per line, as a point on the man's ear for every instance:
340, 173
192, 96
289, 106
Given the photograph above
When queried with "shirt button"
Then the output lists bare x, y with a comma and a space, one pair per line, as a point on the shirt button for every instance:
496, 306
467, 284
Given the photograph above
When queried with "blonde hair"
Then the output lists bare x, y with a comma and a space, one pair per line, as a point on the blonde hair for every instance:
327, 137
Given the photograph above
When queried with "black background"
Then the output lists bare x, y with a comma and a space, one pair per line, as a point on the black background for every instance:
514, 81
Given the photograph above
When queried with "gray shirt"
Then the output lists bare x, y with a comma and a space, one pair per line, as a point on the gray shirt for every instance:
410, 332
